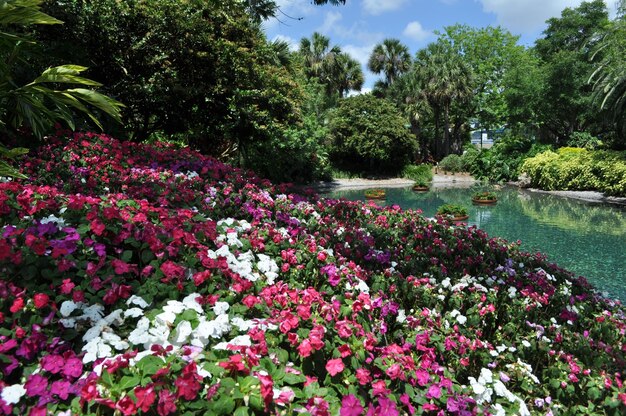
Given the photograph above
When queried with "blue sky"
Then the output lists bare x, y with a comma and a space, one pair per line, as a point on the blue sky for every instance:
359, 25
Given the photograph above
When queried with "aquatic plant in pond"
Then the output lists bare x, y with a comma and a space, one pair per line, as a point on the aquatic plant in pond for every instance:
145, 279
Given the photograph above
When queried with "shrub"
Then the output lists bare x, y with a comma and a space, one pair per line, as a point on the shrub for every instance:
468, 158
452, 210
578, 169
418, 173
451, 163
368, 134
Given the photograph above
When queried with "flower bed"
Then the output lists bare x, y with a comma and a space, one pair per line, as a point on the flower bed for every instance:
144, 279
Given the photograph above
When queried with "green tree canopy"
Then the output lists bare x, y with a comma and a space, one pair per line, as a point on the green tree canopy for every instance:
369, 134
198, 69
391, 58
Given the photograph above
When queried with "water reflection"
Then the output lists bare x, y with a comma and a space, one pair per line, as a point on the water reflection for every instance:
586, 238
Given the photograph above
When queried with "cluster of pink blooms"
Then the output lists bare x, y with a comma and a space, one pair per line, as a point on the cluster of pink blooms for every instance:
141, 278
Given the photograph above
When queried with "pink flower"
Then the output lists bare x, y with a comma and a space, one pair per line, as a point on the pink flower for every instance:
53, 363
67, 286
434, 392
363, 376
304, 349
350, 406
335, 366
422, 377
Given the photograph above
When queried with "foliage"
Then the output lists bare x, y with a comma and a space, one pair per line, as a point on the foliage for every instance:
200, 70
502, 162
444, 80
609, 78
565, 52
227, 295
39, 104
578, 169
484, 195
584, 140
468, 158
337, 71
378, 193
368, 134
391, 58
297, 156
453, 210
422, 173
451, 163
491, 52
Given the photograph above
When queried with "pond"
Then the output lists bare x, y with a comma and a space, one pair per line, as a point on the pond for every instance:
586, 238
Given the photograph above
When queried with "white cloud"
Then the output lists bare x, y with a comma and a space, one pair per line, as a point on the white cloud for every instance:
376, 7
529, 15
360, 53
415, 31
330, 22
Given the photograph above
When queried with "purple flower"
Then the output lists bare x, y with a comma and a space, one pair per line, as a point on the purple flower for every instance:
61, 388
52, 363
36, 385
434, 391
73, 367
350, 406
387, 407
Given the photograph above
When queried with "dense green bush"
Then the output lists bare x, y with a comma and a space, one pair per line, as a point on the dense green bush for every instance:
578, 169
469, 157
368, 134
451, 163
423, 173
200, 70
501, 163
298, 156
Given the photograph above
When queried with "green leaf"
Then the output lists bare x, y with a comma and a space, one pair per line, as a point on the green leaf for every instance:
225, 405
67, 74
128, 382
241, 411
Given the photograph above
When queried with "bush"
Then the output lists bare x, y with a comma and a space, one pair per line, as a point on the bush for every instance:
297, 156
368, 134
451, 163
502, 162
418, 173
469, 157
578, 169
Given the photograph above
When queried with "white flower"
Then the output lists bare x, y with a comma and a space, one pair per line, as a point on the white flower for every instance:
114, 340
67, 308
94, 331
133, 313
486, 376
94, 312
241, 324
174, 307
139, 335
445, 282
525, 343
136, 300
182, 332
221, 308
13, 394
165, 318
51, 218
191, 302
215, 328
96, 348
241, 340
499, 410
401, 316
461, 319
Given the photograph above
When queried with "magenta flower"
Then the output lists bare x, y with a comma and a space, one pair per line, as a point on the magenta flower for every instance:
61, 388
36, 385
73, 367
350, 406
335, 366
52, 363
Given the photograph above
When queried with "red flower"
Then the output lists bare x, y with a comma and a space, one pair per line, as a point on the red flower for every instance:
18, 304
97, 227
41, 300
304, 349
67, 286
188, 384
166, 404
126, 406
145, 397
267, 389
335, 366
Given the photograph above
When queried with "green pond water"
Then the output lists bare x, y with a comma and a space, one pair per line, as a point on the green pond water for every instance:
588, 239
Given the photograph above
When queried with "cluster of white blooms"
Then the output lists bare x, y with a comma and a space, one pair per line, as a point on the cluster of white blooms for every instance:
100, 339
500, 349
523, 368
460, 318
59, 222
190, 174
484, 388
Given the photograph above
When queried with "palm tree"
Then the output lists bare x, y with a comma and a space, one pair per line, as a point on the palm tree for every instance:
609, 79
319, 57
445, 80
348, 74
390, 58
